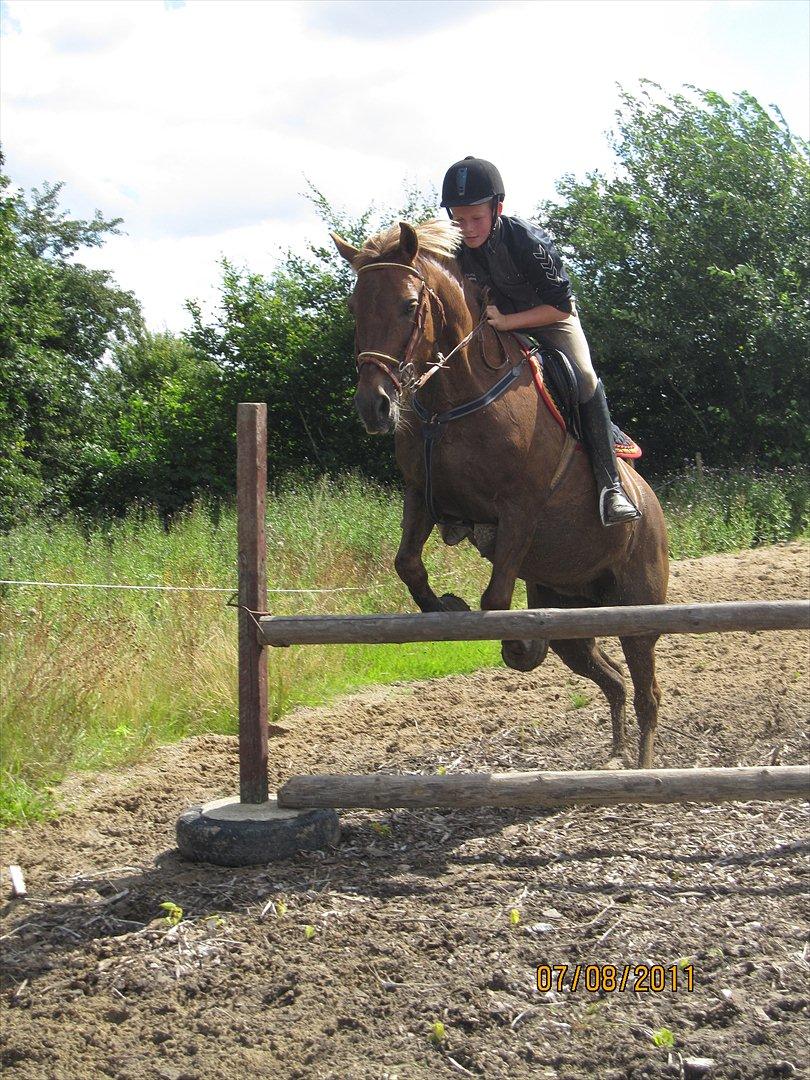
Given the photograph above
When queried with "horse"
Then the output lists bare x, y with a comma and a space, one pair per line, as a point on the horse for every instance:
503, 474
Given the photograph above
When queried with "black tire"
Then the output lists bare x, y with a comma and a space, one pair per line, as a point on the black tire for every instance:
207, 834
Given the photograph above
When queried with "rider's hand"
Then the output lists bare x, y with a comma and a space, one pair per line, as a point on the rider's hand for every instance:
495, 318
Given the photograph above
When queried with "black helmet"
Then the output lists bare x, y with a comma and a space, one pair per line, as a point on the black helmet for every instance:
471, 180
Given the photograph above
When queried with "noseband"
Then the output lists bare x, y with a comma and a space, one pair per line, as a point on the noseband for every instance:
402, 369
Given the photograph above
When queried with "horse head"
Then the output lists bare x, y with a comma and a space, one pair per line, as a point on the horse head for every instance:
398, 321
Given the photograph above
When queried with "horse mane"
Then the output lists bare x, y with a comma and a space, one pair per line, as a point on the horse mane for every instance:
438, 238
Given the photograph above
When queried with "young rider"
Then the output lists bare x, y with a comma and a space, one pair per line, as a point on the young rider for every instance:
532, 294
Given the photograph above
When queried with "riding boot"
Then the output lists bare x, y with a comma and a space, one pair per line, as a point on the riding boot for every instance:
597, 430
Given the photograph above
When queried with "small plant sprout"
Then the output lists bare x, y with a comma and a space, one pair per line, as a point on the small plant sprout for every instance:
579, 700
174, 913
309, 932
380, 829
437, 1032
214, 921
280, 908
441, 771
684, 962
514, 916
663, 1037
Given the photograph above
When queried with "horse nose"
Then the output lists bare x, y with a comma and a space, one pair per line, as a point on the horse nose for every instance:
375, 409
383, 404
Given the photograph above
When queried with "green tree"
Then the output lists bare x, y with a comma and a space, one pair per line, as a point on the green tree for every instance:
156, 406
288, 339
58, 320
691, 267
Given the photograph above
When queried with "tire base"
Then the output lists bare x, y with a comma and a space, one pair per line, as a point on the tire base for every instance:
231, 833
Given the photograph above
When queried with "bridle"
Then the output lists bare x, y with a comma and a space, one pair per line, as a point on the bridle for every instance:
401, 372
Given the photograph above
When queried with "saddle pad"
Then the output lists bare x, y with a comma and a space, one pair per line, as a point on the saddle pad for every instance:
626, 447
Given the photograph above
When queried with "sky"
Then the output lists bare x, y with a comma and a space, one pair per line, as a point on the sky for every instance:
200, 122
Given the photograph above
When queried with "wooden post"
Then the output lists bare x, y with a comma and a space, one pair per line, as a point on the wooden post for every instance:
251, 488
598, 787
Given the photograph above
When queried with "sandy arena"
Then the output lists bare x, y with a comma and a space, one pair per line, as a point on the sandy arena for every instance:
410, 916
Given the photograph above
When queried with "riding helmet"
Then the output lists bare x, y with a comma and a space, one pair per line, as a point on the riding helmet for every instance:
471, 180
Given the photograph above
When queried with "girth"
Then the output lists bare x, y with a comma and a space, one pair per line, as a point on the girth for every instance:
433, 427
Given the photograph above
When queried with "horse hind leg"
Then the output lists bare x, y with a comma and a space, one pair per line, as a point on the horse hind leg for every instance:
639, 652
584, 657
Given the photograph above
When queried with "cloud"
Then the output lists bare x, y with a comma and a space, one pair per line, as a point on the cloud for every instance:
375, 20
8, 24
98, 36
198, 124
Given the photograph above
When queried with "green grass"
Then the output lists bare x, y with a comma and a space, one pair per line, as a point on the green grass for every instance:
91, 679
710, 511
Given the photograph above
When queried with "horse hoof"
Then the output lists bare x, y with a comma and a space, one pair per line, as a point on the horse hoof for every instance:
614, 763
524, 655
450, 602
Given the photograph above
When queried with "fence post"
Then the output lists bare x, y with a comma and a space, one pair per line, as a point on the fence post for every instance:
251, 488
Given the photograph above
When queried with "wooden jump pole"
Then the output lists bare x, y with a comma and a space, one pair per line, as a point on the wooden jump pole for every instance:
251, 488
551, 623
547, 789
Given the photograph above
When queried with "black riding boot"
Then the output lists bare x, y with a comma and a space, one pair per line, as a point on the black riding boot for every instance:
614, 505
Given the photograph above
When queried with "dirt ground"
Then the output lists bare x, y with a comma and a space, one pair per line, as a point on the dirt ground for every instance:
411, 916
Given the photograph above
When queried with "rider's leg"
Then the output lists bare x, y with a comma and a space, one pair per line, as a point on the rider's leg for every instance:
614, 505
567, 336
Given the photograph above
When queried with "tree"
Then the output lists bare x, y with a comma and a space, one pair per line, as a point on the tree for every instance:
156, 409
57, 321
691, 268
288, 339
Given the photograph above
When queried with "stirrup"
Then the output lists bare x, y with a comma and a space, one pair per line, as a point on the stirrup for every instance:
622, 513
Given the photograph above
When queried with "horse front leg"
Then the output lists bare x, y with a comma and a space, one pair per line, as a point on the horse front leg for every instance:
417, 525
513, 540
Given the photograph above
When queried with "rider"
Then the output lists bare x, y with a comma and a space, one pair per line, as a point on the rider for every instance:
525, 276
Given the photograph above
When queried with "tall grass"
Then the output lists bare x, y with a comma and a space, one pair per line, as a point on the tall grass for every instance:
710, 511
90, 678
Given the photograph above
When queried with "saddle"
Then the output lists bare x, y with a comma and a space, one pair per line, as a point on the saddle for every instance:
556, 384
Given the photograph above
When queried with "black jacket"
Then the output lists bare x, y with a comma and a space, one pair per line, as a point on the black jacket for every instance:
521, 266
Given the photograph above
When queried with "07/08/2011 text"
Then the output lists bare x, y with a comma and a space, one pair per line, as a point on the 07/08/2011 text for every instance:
607, 978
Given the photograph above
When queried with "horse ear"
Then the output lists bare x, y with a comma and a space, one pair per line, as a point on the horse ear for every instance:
408, 241
348, 252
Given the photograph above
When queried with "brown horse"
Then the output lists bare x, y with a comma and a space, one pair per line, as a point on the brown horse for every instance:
505, 475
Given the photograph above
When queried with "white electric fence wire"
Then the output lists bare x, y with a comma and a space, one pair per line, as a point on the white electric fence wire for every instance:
172, 588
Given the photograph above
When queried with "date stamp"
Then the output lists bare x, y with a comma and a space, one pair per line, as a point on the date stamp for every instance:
612, 978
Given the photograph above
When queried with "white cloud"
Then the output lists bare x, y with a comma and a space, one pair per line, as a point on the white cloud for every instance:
197, 124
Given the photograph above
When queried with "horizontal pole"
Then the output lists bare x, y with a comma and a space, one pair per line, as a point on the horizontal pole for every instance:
550, 623
547, 789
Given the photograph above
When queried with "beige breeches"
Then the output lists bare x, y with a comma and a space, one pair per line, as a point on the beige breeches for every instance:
567, 336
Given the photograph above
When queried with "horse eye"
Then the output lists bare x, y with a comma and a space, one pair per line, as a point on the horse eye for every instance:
410, 306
